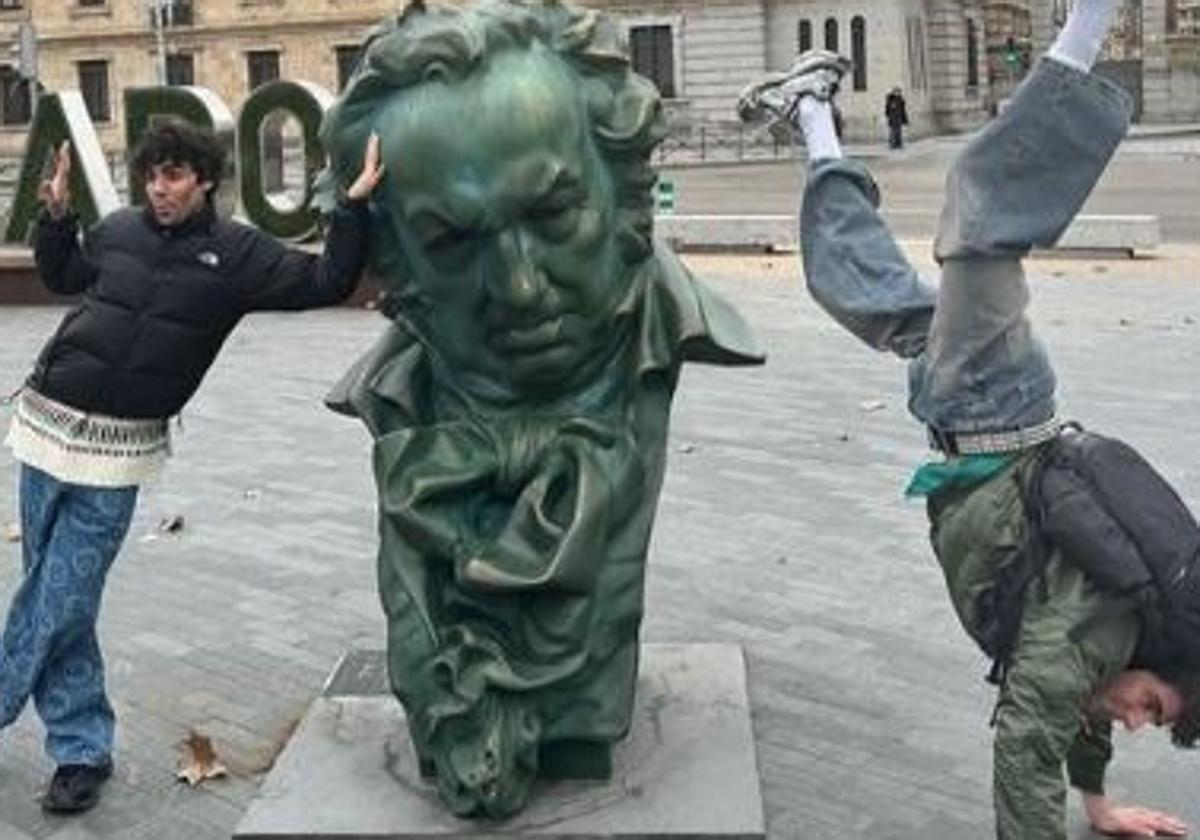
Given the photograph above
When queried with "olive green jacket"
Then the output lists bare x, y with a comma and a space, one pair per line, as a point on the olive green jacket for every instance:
1072, 639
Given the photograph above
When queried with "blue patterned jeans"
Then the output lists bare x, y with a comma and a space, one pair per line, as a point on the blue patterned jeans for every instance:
70, 537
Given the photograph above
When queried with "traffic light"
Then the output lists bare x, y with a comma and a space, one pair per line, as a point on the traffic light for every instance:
1012, 53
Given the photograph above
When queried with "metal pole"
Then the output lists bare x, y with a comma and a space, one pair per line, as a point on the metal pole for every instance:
160, 39
27, 59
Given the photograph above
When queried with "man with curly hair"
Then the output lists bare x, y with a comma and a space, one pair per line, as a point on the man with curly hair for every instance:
1078, 656
520, 400
160, 287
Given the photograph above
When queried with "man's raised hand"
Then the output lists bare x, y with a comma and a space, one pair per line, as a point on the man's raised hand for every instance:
55, 192
372, 172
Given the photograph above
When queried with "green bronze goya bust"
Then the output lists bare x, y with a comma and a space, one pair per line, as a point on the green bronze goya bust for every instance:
519, 400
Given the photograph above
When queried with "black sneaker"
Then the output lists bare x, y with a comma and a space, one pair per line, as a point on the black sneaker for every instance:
75, 788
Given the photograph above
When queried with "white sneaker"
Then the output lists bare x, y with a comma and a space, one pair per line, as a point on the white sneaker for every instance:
816, 73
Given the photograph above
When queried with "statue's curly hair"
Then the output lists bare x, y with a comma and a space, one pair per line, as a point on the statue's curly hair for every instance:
1185, 731
422, 43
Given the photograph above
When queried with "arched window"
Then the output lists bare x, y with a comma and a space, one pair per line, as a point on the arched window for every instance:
972, 55
858, 51
831, 34
804, 35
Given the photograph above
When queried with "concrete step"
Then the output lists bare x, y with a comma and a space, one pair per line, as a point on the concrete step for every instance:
1122, 234
1128, 233
1125, 234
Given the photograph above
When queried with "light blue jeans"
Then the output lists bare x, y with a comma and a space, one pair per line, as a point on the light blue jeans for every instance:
70, 537
975, 363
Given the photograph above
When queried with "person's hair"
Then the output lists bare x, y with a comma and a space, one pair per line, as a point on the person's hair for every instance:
1185, 731
623, 109
175, 141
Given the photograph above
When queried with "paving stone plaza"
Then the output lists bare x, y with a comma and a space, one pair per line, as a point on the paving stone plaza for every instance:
782, 527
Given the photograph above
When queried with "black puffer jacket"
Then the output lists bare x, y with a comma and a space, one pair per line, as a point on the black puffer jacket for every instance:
158, 302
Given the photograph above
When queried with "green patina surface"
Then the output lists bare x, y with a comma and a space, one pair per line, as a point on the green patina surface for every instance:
307, 103
519, 401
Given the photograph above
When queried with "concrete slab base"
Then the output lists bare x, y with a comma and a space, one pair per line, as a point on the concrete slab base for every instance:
687, 769
1125, 234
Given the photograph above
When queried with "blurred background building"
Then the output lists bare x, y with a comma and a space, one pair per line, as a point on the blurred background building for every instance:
955, 60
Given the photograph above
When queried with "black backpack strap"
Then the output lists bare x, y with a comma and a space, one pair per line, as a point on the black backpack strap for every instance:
1007, 594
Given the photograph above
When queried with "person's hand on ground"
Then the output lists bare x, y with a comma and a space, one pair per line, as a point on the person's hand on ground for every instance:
1131, 820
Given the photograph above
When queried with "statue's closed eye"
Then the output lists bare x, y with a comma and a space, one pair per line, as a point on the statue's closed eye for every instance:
556, 215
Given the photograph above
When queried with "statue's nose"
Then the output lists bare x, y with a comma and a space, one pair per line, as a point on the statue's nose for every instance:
518, 282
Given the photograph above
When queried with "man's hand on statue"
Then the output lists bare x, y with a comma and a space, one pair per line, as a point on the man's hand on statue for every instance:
55, 193
371, 173
1131, 821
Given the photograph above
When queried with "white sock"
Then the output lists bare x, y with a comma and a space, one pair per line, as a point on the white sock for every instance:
816, 121
1082, 36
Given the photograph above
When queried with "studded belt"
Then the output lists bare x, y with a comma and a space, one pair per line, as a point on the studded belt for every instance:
994, 442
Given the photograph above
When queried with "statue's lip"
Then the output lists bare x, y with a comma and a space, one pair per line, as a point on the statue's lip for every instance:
529, 339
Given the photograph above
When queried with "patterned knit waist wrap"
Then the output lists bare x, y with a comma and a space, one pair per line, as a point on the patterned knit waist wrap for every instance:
89, 449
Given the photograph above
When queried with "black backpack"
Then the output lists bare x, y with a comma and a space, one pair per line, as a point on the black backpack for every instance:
1111, 514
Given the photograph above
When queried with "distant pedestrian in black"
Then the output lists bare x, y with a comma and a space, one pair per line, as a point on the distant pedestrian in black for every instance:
896, 112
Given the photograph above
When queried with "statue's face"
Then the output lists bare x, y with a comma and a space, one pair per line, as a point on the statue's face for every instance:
505, 211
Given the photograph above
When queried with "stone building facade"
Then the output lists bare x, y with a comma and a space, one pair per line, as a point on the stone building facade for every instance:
933, 49
700, 52
102, 46
944, 54
1158, 56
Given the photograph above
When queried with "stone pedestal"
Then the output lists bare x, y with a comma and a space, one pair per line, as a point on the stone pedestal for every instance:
687, 769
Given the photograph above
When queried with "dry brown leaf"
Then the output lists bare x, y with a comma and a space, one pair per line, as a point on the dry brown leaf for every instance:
199, 760
12, 532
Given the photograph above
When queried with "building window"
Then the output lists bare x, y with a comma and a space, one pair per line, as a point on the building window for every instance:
1183, 18
10, 4
347, 61
93, 84
858, 51
804, 35
653, 50
915, 42
16, 105
831, 34
1124, 41
262, 66
972, 55
87, 3
174, 12
1059, 9
181, 69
